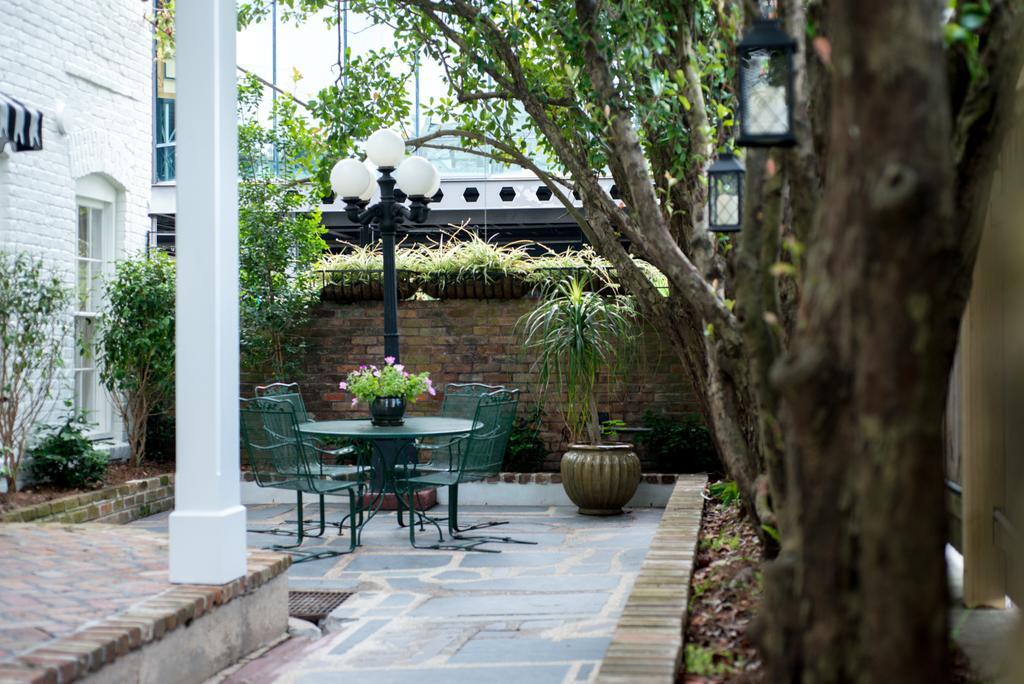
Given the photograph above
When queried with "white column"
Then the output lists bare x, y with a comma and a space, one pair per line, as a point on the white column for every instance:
207, 526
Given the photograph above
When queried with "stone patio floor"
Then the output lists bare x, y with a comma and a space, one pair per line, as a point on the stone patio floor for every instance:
538, 614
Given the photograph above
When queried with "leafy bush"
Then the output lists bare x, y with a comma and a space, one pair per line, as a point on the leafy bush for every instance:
33, 326
279, 242
136, 339
679, 445
526, 451
65, 458
364, 264
463, 256
725, 492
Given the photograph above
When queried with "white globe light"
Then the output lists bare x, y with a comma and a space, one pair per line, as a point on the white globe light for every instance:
349, 178
371, 187
436, 185
385, 148
415, 177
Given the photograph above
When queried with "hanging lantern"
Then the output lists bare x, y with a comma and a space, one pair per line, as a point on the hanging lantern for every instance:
725, 194
766, 86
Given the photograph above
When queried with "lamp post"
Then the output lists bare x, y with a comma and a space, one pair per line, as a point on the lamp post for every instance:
353, 182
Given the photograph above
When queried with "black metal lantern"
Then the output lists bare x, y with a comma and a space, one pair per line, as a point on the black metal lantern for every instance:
766, 86
725, 194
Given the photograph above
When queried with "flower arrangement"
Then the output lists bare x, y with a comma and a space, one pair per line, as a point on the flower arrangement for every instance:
369, 382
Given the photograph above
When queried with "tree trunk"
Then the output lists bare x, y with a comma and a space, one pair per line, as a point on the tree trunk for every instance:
859, 591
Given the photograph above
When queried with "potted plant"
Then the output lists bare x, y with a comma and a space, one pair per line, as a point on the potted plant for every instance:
357, 274
465, 266
577, 333
386, 390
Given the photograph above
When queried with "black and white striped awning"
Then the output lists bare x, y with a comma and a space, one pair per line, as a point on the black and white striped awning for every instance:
21, 126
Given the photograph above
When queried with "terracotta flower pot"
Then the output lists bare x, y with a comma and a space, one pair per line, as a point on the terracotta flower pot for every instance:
600, 478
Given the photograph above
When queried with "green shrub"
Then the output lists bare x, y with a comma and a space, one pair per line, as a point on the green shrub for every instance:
526, 451
464, 256
65, 458
33, 326
679, 445
136, 341
725, 492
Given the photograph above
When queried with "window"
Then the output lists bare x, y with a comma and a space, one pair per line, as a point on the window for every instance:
164, 135
93, 262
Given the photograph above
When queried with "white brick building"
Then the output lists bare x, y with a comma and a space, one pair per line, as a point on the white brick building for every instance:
83, 200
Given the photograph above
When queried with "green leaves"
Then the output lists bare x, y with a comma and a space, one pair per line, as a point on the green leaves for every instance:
726, 492
65, 458
392, 380
576, 334
33, 327
136, 341
280, 239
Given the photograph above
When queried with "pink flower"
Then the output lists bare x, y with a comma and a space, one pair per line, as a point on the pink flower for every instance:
405, 374
433, 392
389, 360
399, 367
354, 402
343, 385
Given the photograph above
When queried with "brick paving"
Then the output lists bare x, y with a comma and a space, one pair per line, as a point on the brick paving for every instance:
532, 614
54, 579
75, 597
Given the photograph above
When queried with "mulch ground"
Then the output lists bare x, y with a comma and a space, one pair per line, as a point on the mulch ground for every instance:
725, 592
117, 473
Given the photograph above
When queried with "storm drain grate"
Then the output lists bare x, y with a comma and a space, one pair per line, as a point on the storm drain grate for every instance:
314, 605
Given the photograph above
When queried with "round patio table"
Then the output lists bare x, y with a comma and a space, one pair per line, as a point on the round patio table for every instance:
392, 446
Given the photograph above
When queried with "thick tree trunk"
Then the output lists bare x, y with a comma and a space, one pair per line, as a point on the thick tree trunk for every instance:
859, 591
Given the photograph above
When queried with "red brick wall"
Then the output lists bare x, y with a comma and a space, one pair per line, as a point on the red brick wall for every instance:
474, 341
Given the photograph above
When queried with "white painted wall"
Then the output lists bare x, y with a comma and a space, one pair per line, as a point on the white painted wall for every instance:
94, 57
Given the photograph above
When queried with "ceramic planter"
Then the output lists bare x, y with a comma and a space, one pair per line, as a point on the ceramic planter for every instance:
387, 411
600, 479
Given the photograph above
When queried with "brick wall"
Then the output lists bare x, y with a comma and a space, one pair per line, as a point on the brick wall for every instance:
94, 59
474, 341
117, 504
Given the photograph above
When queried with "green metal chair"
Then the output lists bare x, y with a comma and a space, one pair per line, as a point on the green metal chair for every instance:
460, 401
281, 458
331, 459
476, 457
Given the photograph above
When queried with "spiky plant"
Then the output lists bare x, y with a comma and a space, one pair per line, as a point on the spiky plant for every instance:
576, 334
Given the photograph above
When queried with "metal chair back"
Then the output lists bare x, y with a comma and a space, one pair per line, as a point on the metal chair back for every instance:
484, 450
461, 399
286, 391
277, 454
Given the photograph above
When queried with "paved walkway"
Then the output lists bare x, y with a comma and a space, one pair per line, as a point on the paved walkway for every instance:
538, 614
55, 579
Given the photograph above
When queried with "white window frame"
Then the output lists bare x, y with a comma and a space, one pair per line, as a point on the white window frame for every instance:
99, 199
